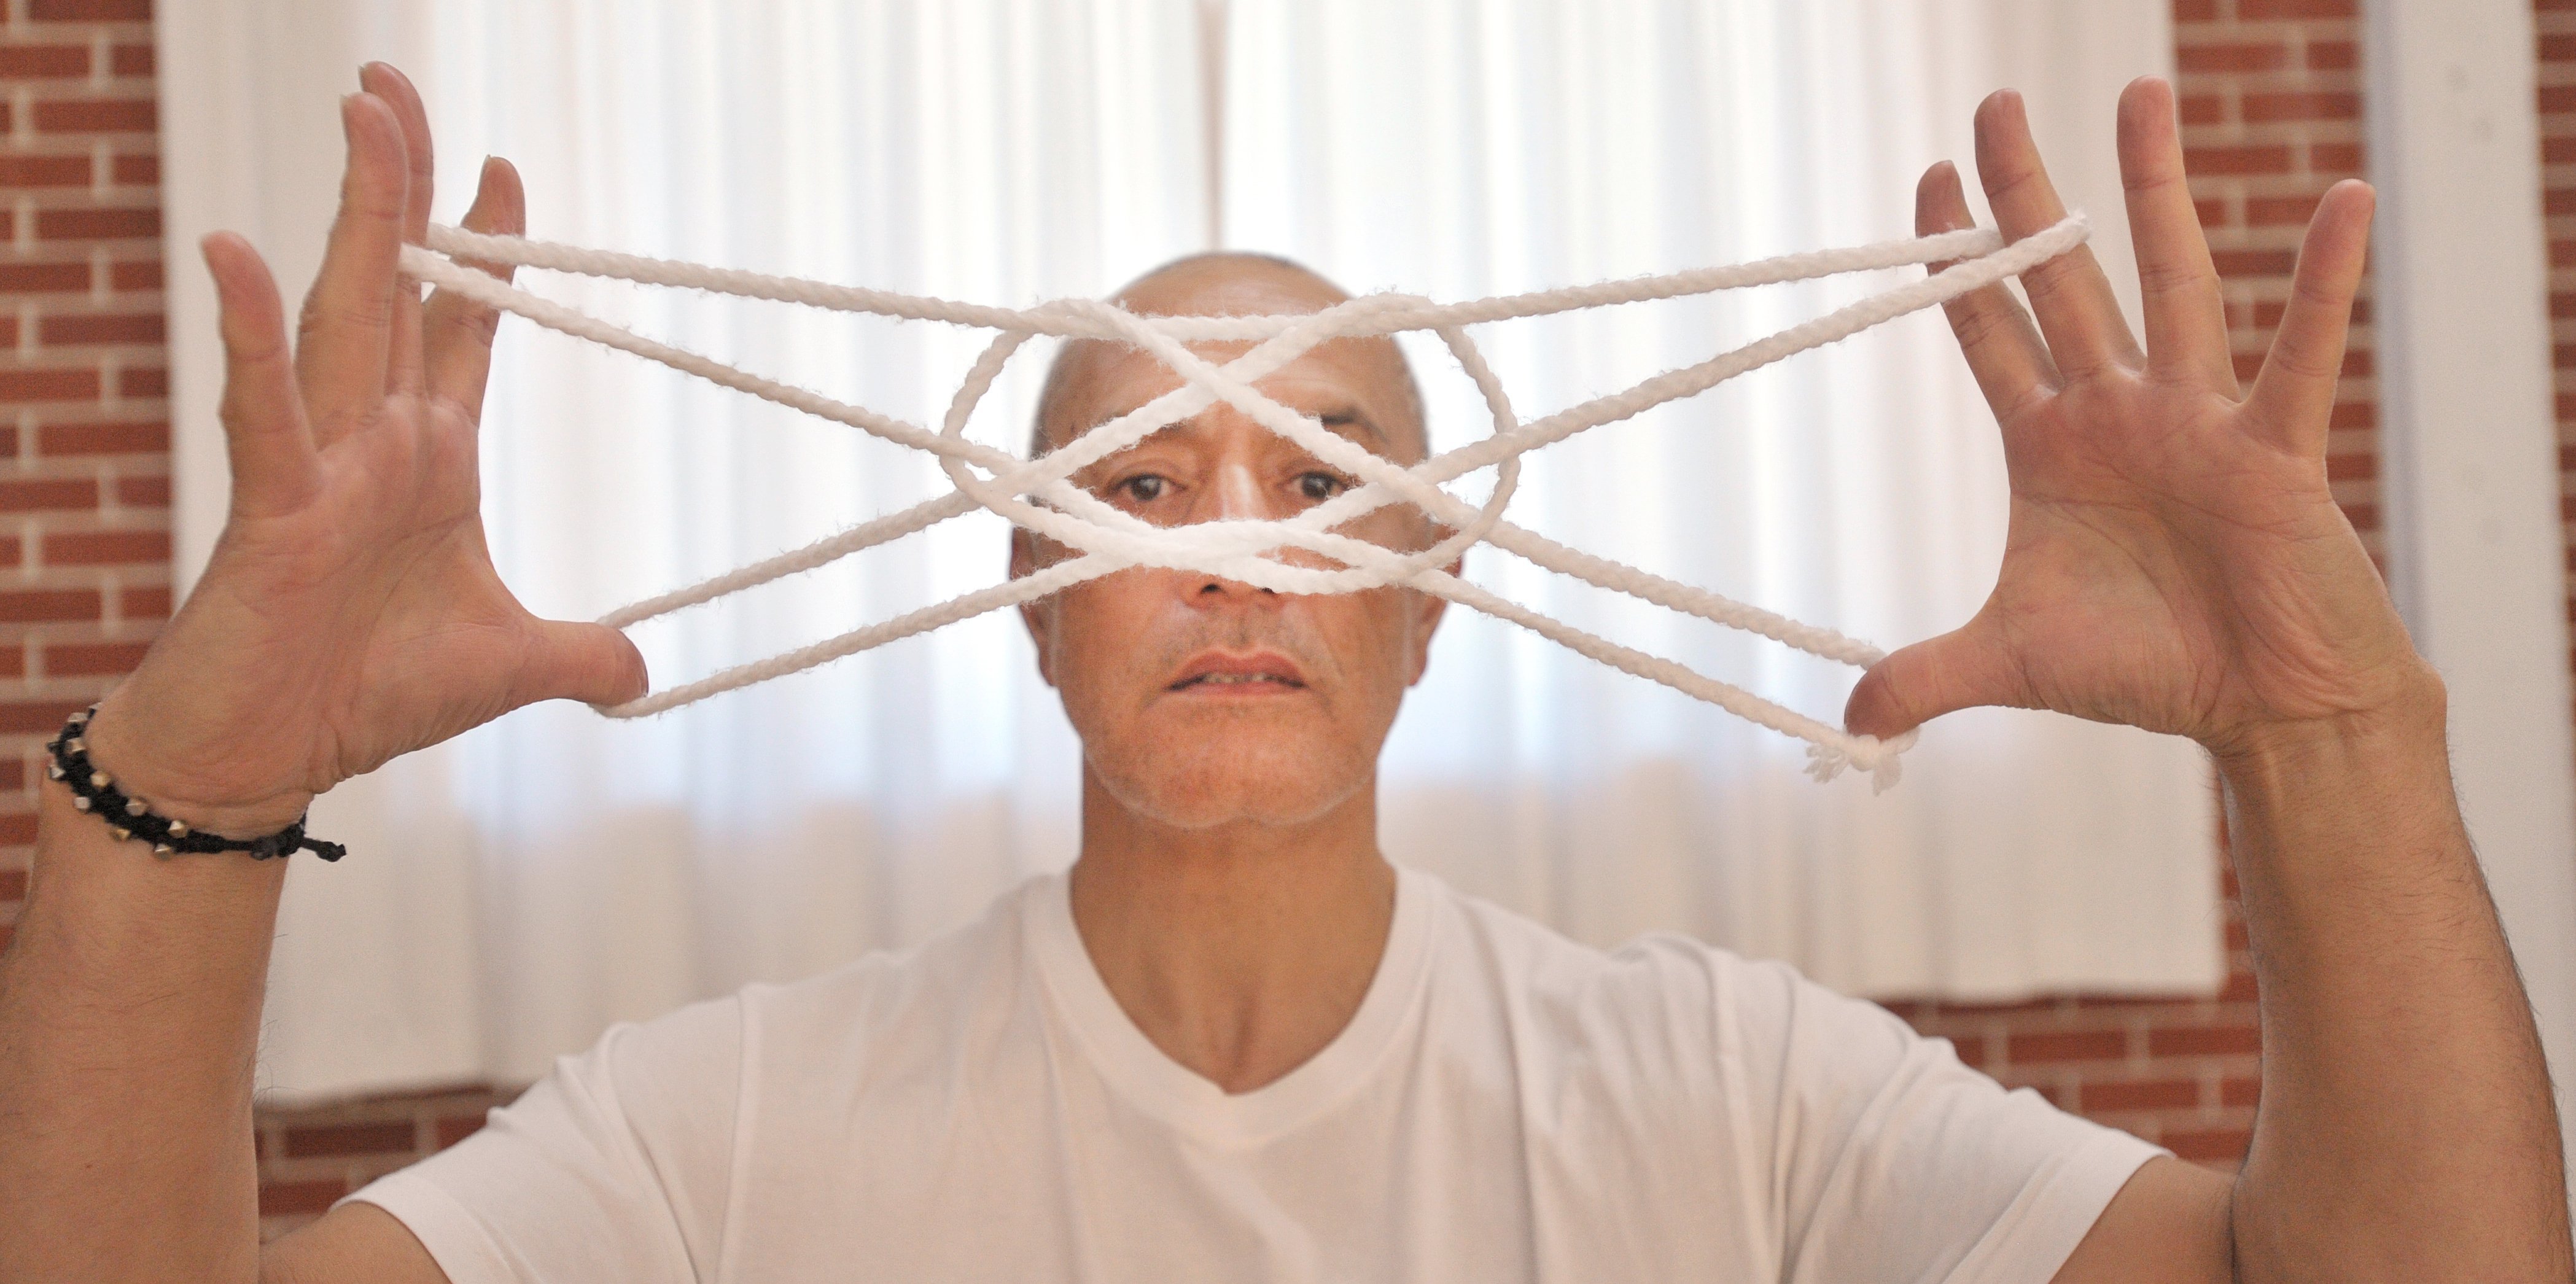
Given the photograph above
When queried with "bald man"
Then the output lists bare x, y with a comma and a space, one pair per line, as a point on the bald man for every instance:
1234, 1042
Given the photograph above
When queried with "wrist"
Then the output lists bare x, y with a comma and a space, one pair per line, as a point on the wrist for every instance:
121, 746
2404, 730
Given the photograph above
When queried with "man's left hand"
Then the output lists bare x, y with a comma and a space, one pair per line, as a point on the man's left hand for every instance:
2174, 559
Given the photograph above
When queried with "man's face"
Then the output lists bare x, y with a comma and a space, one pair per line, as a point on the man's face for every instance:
1200, 700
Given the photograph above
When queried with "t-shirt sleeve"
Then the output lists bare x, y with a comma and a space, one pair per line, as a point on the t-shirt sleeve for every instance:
614, 1167
1891, 1160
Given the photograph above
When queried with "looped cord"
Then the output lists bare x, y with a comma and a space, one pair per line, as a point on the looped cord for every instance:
1037, 495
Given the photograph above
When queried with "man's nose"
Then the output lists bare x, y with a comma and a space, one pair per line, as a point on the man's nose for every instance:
1237, 494
1236, 497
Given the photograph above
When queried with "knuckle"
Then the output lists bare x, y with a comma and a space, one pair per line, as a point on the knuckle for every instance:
2173, 278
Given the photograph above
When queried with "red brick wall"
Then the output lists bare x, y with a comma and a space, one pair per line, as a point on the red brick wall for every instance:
84, 429
2557, 21
2270, 97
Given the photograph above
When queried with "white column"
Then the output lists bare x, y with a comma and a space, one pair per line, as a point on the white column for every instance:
2474, 537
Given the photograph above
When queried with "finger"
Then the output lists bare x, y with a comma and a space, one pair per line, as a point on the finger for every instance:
2185, 314
460, 329
592, 663
2002, 346
1962, 669
403, 359
347, 328
2294, 392
2073, 300
273, 464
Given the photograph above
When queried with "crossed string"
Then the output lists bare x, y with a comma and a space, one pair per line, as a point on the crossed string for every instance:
1035, 493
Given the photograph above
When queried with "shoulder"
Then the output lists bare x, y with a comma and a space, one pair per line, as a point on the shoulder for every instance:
1733, 1005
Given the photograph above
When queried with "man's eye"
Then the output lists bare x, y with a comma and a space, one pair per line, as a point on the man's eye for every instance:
1321, 486
1144, 488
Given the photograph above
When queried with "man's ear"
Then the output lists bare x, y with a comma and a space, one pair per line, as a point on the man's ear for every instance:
1426, 620
1035, 615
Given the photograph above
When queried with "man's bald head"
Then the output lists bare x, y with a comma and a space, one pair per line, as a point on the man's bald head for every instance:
1229, 283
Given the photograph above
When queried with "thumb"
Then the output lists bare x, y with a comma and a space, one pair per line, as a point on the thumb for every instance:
1961, 669
592, 663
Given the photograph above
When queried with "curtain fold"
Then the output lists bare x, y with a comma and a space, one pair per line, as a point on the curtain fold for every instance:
515, 891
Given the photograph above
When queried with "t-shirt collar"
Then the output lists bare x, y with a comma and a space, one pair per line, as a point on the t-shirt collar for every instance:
1150, 1081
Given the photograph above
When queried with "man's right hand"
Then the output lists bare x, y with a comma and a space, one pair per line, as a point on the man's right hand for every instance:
350, 612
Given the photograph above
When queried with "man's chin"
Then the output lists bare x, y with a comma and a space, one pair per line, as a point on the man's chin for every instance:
1197, 773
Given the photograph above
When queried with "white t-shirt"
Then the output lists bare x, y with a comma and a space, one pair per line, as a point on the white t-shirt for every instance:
1505, 1105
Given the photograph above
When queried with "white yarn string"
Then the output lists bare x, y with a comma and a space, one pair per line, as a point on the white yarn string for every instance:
1038, 495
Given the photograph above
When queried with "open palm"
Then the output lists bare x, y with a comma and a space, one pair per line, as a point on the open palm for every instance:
2174, 559
350, 611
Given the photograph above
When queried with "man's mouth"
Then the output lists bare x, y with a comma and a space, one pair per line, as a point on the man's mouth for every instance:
1225, 673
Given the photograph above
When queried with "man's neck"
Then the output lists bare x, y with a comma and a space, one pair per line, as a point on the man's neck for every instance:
1239, 950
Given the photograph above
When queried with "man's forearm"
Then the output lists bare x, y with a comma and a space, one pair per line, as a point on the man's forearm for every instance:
129, 1021
2407, 1129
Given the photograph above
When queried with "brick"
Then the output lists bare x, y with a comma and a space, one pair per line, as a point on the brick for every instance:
37, 717
2205, 1040
2557, 99
137, 276
96, 116
2065, 1045
147, 437
2201, 109
131, 60
93, 659
135, 171
20, 606
143, 492
2312, 105
143, 384
18, 828
37, 494
2351, 467
2335, 160
2269, 55
2244, 263
97, 224
43, 278
144, 602
90, 10
2240, 1093
13, 664
2158, 1094
452, 1129
2205, 1145
44, 171
2333, 55
349, 1139
2267, 158
105, 548
49, 385
2276, 10
278, 1198
13, 884
38, 62
100, 327
2556, 47
2280, 211
2186, 11
13, 777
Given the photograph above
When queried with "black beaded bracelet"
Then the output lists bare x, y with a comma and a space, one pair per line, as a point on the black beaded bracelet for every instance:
95, 792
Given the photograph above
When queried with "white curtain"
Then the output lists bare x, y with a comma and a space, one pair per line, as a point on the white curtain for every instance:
512, 893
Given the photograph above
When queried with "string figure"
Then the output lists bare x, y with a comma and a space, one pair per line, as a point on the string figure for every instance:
1035, 494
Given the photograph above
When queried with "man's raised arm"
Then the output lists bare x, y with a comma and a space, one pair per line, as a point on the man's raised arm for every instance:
350, 613
2175, 561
